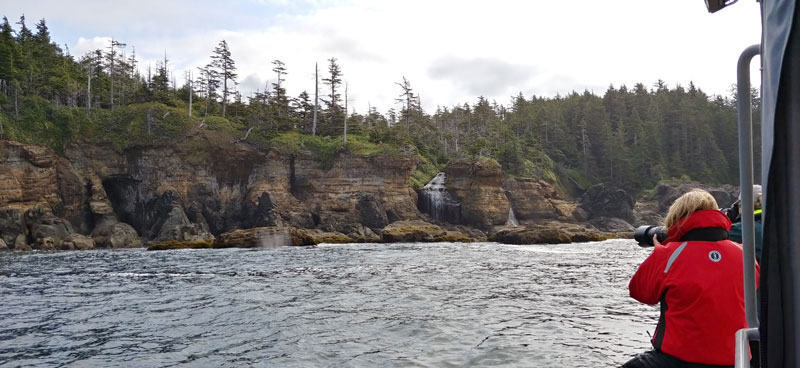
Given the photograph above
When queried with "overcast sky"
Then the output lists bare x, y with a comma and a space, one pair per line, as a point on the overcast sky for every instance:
451, 51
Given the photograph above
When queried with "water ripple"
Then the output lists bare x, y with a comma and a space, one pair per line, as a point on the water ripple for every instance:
419, 305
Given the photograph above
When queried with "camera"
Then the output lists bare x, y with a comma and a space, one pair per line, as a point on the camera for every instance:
644, 234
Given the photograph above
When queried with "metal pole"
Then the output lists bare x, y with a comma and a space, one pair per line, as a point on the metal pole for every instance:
743, 338
746, 181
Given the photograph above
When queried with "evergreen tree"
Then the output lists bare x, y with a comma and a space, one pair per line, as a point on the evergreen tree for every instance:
226, 70
334, 81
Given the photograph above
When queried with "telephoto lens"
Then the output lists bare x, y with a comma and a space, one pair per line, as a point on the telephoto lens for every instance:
644, 234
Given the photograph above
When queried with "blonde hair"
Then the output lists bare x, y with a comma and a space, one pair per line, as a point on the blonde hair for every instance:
756, 196
689, 203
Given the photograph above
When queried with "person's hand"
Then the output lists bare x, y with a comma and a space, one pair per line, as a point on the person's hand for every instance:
655, 240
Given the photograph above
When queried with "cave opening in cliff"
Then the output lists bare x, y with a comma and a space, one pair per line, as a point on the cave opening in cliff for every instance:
125, 197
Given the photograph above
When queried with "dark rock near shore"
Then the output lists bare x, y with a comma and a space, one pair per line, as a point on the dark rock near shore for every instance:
47, 226
612, 224
21, 244
603, 201
371, 212
263, 237
420, 231
77, 242
552, 233
411, 231
12, 225
110, 234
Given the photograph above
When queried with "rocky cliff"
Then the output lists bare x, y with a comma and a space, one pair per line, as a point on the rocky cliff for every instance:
205, 187
193, 190
478, 186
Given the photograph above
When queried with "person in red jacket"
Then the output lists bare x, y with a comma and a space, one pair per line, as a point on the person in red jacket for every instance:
697, 276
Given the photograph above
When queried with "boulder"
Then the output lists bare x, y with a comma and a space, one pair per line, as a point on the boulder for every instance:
110, 234
176, 226
3, 245
78, 242
48, 226
123, 236
261, 237
12, 224
46, 243
363, 234
21, 244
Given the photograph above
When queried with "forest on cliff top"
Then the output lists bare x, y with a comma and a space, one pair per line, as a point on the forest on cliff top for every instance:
630, 137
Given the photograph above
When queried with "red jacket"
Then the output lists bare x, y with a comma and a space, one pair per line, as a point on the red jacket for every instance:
700, 287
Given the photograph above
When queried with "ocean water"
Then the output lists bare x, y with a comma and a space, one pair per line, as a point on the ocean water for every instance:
359, 305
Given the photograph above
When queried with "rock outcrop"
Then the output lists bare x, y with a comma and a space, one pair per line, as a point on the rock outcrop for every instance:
77, 242
478, 186
552, 233
603, 201
263, 237
420, 231
535, 200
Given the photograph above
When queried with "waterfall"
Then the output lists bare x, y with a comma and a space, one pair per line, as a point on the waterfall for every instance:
434, 200
512, 219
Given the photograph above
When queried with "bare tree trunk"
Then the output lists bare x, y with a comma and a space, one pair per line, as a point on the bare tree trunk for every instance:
191, 89
345, 112
111, 77
224, 89
89, 93
243, 138
208, 91
316, 98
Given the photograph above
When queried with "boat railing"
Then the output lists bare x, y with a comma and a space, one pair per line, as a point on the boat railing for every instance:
745, 335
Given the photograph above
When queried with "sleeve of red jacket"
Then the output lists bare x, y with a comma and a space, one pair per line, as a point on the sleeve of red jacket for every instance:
647, 283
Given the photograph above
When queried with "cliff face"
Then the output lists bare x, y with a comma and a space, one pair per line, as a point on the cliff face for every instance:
534, 200
478, 186
193, 190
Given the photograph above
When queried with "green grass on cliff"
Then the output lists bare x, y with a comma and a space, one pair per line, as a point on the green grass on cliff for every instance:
326, 147
43, 123
426, 170
293, 142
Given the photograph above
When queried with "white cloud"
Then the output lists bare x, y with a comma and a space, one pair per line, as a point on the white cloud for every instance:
450, 51
87, 45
